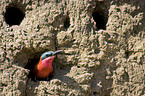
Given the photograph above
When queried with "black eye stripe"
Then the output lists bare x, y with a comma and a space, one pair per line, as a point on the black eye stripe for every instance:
48, 55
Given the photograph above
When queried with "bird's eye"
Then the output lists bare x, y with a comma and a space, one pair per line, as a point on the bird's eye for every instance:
44, 57
48, 55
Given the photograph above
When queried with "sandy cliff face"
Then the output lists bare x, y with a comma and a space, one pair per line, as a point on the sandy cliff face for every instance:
103, 41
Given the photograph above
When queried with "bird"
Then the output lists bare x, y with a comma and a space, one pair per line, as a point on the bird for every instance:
44, 68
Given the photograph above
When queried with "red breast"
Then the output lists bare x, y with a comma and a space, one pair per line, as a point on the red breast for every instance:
44, 67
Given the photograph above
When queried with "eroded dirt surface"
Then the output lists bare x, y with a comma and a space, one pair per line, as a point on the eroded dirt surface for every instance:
103, 41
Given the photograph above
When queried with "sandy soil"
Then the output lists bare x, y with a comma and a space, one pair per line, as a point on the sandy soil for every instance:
103, 43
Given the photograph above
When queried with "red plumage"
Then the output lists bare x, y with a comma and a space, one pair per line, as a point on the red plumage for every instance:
44, 68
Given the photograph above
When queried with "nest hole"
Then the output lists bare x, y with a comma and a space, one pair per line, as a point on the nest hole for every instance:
34, 60
100, 21
100, 16
31, 64
14, 14
95, 93
66, 23
127, 54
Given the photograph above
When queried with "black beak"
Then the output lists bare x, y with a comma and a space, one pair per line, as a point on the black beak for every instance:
57, 52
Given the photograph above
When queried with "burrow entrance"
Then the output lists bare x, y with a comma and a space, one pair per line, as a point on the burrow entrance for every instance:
32, 62
30, 65
100, 15
14, 14
66, 22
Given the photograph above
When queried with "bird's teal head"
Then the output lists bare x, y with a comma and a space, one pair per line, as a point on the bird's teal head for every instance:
49, 54
46, 54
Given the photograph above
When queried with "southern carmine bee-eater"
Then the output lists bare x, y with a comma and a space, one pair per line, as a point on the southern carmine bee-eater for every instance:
44, 68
